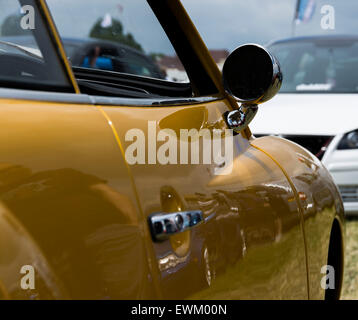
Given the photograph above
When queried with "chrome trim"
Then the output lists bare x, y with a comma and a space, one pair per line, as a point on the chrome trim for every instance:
163, 225
171, 261
45, 96
239, 119
269, 91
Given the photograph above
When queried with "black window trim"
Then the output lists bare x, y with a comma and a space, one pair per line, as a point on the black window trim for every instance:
202, 83
81, 99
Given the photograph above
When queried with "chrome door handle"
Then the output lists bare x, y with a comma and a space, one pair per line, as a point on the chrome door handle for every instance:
163, 225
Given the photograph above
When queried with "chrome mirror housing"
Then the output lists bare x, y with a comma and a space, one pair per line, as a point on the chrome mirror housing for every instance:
252, 75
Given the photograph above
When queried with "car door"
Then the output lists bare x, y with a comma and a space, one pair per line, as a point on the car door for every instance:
249, 242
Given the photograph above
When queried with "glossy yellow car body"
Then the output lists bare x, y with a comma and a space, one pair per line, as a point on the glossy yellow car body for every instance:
73, 208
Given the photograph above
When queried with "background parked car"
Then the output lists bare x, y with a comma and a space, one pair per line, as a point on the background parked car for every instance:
98, 54
109, 55
317, 106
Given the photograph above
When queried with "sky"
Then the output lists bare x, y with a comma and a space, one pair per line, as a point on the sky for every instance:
229, 23
223, 24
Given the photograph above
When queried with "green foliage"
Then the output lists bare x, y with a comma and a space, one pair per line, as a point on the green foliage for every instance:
350, 280
114, 33
11, 26
156, 56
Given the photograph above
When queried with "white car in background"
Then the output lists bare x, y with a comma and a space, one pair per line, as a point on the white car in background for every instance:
317, 106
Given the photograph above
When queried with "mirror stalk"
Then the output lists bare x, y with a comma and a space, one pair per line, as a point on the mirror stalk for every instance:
239, 119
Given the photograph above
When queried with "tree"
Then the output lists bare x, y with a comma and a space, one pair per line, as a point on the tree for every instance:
156, 56
12, 27
114, 32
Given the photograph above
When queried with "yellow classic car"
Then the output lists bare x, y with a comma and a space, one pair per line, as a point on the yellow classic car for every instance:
113, 183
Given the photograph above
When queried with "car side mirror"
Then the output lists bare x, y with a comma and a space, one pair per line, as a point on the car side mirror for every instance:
251, 75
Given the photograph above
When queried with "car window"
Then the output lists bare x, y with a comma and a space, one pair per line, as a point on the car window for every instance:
320, 66
27, 58
118, 36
